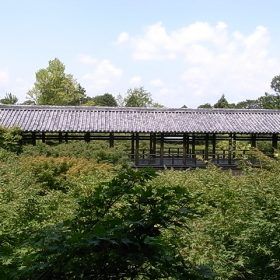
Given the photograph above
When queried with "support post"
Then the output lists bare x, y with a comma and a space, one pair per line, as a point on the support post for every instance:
161, 149
60, 137
137, 149
254, 140
188, 144
206, 146
132, 146
111, 140
230, 149
87, 137
184, 149
274, 141
33, 138
66, 137
151, 143
193, 145
214, 146
43, 137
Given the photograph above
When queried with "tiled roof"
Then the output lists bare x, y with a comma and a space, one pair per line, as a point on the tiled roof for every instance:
105, 119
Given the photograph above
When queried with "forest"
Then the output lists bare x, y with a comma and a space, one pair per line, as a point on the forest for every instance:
72, 211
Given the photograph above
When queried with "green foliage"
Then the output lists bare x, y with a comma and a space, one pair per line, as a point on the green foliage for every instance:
138, 97
9, 99
68, 213
10, 139
54, 87
106, 99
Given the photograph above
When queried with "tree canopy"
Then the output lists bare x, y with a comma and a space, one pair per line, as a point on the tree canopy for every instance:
138, 97
9, 99
54, 87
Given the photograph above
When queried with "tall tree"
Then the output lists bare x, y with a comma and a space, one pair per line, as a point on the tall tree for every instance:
223, 103
54, 87
138, 97
106, 99
9, 99
275, 84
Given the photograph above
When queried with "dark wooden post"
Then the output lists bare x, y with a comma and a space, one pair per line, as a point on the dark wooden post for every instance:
33, 138
60, 137
214, 146
154, 144
151, 143
188, 144
206, 146
254, 140
111, 140
87, 137
137, 149
66, 137
274, 141
193, 145
230, 149
132, 146
234, 146
184, 149
161, 149
43, 137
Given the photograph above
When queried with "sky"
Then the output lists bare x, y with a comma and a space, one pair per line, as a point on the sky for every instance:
183, 52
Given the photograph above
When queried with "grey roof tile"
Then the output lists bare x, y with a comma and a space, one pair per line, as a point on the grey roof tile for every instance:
106, 119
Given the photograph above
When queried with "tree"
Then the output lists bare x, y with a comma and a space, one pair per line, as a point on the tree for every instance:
9, 99
275, 84
205, 106
270, 101
54, 87
223, 103
138, 97
105, 99
248, 104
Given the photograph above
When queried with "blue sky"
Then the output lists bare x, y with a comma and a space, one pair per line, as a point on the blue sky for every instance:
183, 52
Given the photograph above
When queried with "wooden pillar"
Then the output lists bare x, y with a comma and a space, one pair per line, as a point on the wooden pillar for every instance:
188, 143
111, 140
254, 140
43, 137
234, 146
230, 149
155, 144
193, 145
161, 149
33, 138
137, 149
151, 143
87, 137
214, 146
184, 149
132, 146
206, 146
274, 141
66, 137
60, 137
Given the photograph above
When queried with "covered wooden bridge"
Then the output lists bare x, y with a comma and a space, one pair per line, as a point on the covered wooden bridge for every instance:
179, 138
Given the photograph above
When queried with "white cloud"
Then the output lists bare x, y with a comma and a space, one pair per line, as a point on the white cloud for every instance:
103, 74
87, 59
135, 81
4, 77
122, 38
212, 60
157, 83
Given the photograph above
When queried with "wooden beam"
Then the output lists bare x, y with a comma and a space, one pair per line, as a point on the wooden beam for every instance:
230, 149
60, 137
